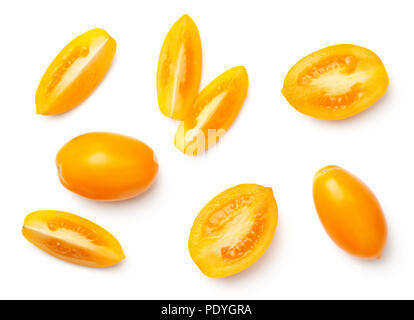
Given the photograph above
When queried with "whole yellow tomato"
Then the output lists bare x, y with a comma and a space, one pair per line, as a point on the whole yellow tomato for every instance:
349, 212
106, 166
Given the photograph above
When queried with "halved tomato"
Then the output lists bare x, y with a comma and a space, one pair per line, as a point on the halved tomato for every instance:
179, 69
349, 212
233, 230
214, 111
72, 238
336, 82
75, 72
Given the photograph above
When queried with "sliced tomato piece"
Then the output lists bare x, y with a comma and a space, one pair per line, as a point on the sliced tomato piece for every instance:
72, 238
336, 82
75, 72
233, 230
179, 69
215, 109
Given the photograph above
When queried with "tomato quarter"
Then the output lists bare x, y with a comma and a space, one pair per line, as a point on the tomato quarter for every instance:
179, 69
215, 109
72, 238
75, 72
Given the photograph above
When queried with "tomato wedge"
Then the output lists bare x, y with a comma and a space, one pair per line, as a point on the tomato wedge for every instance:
72, 238
179, 69
215, 110
233, 230
75, 72
349, 212
336, 82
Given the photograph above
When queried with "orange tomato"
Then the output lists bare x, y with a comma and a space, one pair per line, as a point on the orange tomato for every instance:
75, 73
336, 82
179, 69
215, 109
72, 238
106, 166
233, 230
349, 212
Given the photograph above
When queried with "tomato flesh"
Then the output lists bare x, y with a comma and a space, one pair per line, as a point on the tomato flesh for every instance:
349, 212
72, 238
75, 72
233, 230
215, 110
336, 82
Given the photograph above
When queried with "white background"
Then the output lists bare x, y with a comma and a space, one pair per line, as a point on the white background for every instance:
270, 144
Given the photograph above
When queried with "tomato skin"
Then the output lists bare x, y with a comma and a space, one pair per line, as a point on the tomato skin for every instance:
349, 212
72, 238
336, 82
233, 230
75, 72
215, 109
179, 69
106, 166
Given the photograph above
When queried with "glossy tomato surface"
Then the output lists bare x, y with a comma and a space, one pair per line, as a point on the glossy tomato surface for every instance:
75, 72
336, 82
215, 110
106, 166
349, 212
179, 69
233, 230
72, 238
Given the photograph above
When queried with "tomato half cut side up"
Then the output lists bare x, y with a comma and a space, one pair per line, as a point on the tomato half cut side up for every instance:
336, 82
72, 238
75, 72
233, 230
